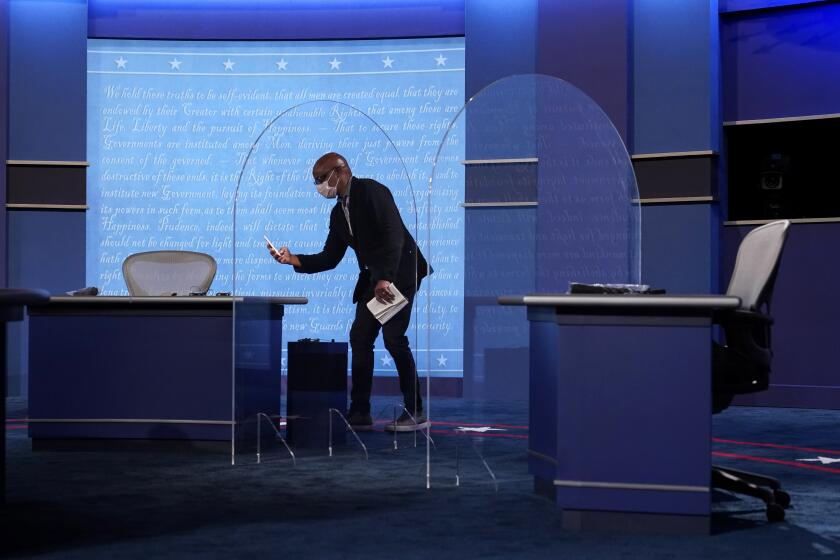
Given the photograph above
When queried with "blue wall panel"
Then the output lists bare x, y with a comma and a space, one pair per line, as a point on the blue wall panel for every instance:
44, 252
4, 88
275, 19
781, 63
47, 121
47, 81
587, 43
501, 40
680, 248
4, 123
675, 76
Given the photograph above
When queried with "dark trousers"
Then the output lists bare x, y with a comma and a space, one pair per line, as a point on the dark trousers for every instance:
363, 334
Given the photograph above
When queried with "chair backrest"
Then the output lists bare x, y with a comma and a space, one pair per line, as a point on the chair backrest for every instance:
743, 365
166, 273
756, 265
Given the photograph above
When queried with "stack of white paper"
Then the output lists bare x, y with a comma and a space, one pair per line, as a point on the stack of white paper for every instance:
384, 311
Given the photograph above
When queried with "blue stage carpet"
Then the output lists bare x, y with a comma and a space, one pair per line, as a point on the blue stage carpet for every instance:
193, 504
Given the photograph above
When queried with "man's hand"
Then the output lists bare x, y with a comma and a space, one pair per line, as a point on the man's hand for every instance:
284, 256
382, 291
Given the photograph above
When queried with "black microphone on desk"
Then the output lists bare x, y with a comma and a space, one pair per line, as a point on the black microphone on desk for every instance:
89, 291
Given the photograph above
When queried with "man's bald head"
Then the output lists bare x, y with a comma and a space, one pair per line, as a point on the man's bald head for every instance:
329, 163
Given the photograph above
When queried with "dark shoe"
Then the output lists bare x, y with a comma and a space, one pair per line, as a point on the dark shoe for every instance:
360, 421
408, 423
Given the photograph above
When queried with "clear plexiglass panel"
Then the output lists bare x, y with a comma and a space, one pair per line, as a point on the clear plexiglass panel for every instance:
292, 361
550, 200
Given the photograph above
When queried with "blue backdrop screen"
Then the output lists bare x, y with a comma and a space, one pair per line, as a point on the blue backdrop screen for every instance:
169, 124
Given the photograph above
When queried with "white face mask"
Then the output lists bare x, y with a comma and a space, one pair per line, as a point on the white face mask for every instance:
325, 190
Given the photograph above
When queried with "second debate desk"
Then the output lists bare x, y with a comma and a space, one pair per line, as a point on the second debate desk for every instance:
620, 408
153, 367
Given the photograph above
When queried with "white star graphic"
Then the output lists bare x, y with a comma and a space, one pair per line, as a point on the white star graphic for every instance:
175, 64
334, 64
441, 60
441, 360
388, 62
228, 65
281, 64
386, 360
120, 62
823, 460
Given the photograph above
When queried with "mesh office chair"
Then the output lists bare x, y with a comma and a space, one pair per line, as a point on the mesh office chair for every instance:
168, 273
742, 365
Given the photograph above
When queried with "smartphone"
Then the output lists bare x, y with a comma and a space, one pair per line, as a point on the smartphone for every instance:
270, 244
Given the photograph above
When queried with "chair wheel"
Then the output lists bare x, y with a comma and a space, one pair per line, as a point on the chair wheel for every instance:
775, 513
782, 498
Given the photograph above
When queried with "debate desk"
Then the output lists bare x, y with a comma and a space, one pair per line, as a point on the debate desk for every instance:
620, 407
160, 368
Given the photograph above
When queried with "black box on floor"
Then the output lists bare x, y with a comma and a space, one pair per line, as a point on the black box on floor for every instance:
317, 382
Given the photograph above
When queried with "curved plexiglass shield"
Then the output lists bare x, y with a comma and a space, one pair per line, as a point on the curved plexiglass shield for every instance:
334, 245
550, 199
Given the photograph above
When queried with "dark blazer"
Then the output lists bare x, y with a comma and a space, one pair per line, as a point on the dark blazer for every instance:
384, 247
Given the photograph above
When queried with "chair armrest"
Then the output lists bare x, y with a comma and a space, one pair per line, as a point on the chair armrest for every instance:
741, 317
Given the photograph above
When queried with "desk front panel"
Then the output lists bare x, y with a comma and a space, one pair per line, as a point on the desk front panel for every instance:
149, 372
621, 413
130, 367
